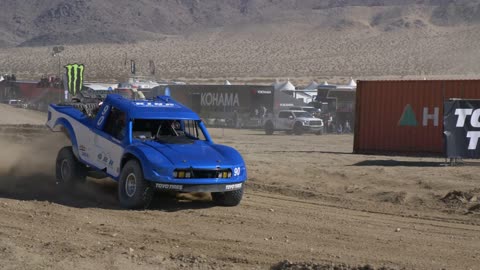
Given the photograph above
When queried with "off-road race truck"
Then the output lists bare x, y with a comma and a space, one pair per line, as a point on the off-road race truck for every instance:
294, 121
145, 145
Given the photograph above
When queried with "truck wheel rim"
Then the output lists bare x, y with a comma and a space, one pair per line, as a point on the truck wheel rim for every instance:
65, 169
131, 185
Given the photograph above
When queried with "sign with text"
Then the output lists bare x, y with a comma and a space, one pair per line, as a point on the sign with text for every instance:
461, 127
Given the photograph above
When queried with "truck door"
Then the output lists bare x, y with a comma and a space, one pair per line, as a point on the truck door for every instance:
285, 120
111, 134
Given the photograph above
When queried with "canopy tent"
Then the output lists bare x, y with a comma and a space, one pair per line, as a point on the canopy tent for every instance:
305, 97
286, 86
312, 86
352, 83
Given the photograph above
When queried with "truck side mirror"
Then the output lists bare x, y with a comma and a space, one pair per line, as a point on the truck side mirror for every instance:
290, 117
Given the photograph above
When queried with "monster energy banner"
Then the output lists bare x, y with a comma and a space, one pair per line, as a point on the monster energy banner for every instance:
461, 127
74, 74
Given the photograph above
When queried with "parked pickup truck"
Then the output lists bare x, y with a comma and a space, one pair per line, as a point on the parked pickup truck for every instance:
294, 121
146, 145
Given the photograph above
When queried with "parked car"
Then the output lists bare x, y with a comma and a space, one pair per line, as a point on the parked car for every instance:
294, 121
15, 102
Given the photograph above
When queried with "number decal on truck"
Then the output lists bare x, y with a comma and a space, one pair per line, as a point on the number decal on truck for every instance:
236, 171
102, 117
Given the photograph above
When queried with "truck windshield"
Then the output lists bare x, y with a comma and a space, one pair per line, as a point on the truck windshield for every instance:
167, 130
303, 114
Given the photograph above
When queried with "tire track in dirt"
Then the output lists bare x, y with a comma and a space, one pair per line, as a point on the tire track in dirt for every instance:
442, 222
297, 195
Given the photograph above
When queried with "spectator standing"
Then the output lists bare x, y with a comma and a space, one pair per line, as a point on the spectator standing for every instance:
340, 129
348, 128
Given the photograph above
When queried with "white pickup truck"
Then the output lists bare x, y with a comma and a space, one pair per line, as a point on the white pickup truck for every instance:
294, 121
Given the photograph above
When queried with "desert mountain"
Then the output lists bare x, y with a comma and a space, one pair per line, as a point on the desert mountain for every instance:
243, 38
46, 22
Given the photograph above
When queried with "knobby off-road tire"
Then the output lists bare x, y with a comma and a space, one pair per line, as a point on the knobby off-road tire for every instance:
68, 169
228, 198
269, 128
298, 128
134, 192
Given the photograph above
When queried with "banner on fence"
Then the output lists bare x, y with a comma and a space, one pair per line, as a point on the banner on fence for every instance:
461, 128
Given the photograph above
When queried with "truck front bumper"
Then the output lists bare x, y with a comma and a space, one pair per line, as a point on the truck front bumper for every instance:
313, 129
199, 187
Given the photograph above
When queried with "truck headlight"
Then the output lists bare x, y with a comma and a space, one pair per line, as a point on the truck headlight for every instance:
182, 174
224, 174
306, 123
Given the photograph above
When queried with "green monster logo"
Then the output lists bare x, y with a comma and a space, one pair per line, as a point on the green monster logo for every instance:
74, 78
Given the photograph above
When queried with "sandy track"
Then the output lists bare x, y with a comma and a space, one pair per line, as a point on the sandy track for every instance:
16, 116
308, 200
251, 236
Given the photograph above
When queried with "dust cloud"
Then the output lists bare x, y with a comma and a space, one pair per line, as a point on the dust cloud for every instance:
27, 161
27, 170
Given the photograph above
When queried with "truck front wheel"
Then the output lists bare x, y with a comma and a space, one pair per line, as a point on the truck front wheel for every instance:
68, 169
298, 128
229, 198
134, 192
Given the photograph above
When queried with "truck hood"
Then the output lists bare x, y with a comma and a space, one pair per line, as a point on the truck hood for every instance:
196, 154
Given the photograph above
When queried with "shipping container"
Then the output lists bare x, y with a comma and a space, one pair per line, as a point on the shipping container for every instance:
405, 117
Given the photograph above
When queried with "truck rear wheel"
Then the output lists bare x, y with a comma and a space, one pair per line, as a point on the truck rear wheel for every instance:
68, 169
229, 198
269, 128
134, 192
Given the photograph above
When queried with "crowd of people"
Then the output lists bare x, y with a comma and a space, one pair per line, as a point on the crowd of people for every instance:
50, 81
8, 78
334, 126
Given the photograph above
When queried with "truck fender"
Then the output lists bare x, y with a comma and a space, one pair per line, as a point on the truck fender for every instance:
133, 153
144, 156
65, 124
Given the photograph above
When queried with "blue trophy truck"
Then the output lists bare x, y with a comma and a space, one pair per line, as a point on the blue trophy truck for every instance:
145, 145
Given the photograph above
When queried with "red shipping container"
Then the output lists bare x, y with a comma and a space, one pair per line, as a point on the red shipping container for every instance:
405, 117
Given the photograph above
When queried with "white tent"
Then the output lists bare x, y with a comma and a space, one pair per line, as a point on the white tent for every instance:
286, 86
227, 83
312, 86
305, 97
352, 83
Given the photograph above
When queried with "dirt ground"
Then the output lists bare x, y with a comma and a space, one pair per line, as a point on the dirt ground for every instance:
309, 204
